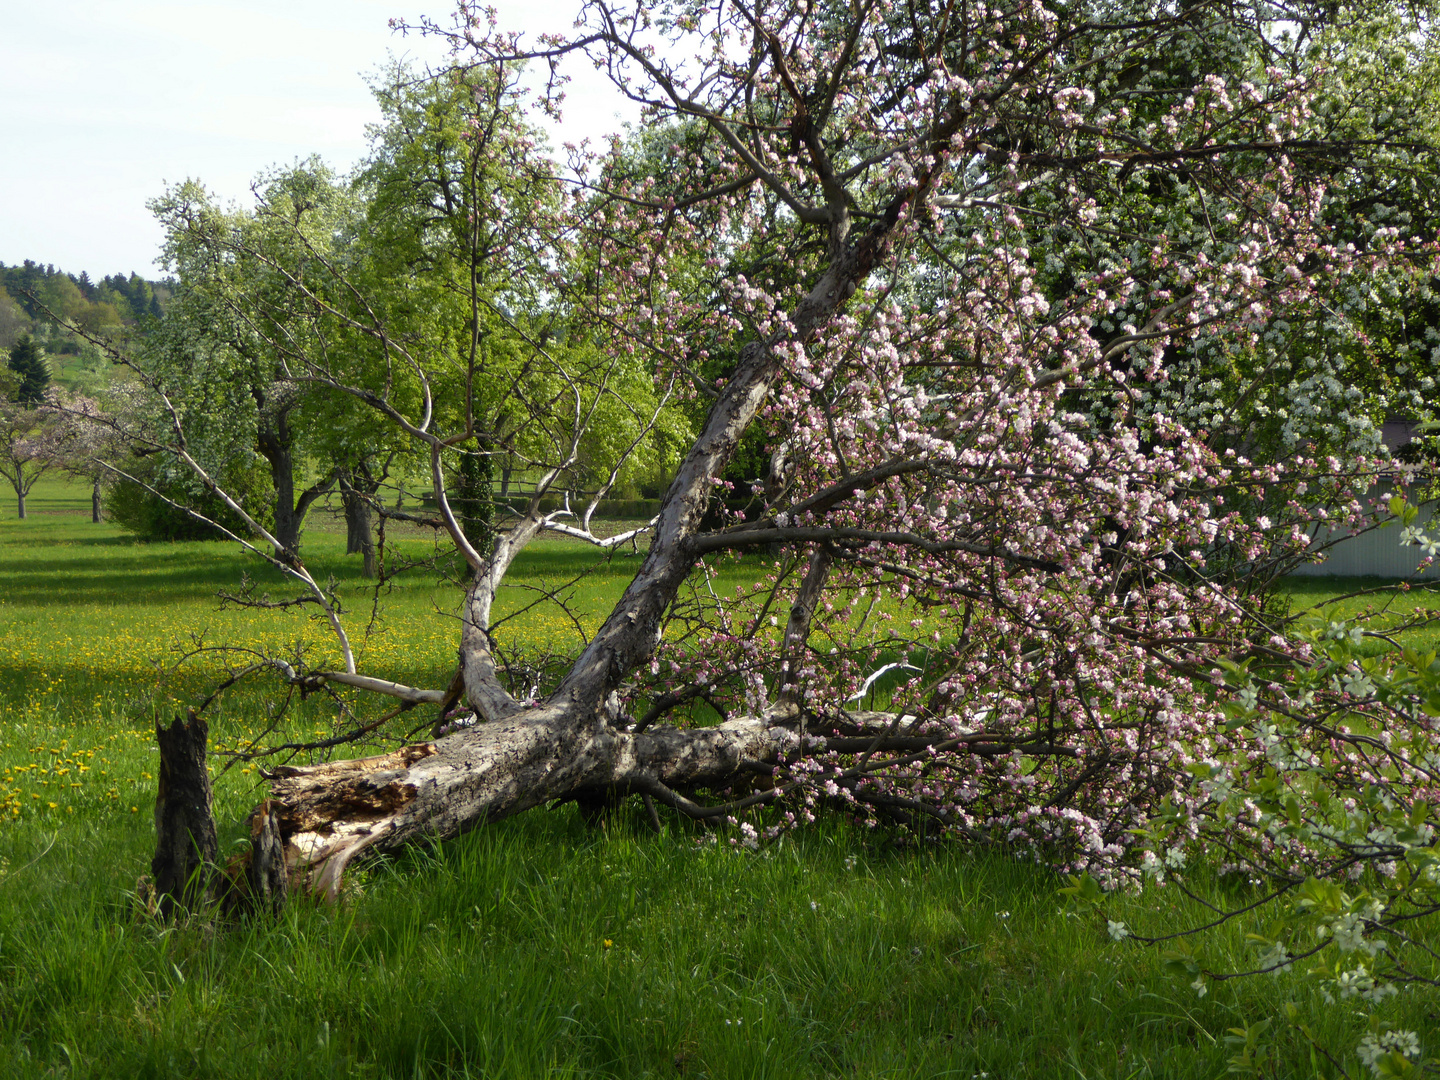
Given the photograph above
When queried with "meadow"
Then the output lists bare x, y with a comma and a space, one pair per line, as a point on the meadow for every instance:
540, 946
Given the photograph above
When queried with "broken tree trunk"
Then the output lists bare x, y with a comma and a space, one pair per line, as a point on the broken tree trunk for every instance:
267, 874
329, 815
185, 843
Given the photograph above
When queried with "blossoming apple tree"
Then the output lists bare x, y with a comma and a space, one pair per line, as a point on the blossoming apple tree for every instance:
952, 265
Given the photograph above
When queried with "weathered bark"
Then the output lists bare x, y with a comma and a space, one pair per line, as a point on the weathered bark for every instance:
267, 874
329, 814
20, 499
95, 516
185, 842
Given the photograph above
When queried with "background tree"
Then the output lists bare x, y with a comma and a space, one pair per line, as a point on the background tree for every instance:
13, 323
32, 441
434, 256
92, 435
217, 340
29, 364
460, 204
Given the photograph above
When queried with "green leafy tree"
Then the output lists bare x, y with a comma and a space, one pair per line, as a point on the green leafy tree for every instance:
423, 284
231, 327
457, 201
13, 322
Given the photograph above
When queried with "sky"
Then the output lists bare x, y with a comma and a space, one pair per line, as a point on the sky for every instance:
107, 102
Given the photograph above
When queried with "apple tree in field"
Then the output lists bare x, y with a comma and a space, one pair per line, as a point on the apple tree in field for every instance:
1020, 300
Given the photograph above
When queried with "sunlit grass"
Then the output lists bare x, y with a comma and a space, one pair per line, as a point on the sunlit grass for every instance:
101, 636
1368, 602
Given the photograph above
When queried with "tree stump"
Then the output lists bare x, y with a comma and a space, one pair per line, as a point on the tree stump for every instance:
266, 875
185, 843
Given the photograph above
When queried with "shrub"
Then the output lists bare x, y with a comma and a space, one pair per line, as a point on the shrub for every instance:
136, 508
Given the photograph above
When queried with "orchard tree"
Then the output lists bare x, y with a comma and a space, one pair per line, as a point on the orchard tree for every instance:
25, 445
25, 430
91, 435
34, 440
953, 259
216, 340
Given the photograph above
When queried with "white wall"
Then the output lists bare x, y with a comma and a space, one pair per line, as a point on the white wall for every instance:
1376, 553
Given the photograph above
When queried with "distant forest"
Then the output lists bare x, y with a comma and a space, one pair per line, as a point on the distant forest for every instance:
103, 308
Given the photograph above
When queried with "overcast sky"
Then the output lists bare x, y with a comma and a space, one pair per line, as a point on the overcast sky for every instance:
105, 102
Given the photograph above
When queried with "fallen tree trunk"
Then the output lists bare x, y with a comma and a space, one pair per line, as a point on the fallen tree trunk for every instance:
333, 813
330, 815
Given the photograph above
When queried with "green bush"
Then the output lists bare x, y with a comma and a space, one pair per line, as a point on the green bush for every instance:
139, 510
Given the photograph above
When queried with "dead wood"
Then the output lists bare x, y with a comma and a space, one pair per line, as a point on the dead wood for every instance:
185, 843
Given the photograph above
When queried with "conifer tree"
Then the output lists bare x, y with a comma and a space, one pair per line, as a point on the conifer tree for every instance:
34, 372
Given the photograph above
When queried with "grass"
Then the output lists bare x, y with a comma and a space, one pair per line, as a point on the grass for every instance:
538, 946
1322, 600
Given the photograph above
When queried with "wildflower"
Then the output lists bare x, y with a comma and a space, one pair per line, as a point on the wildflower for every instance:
1118, 930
